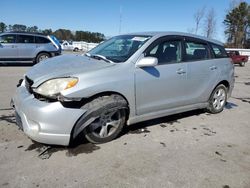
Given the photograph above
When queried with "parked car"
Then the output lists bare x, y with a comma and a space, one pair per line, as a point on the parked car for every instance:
126, 79
27, 47
237, 58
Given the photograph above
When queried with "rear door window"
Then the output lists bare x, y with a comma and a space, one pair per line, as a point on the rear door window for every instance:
42, 40
10, 38
25, 39
219, 51
195, 51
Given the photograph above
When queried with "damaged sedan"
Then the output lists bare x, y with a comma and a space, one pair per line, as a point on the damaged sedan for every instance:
124, 80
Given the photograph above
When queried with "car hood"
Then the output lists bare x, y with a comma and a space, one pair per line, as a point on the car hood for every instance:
64, 66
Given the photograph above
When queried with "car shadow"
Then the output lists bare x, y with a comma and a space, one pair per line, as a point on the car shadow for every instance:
81, 146
141, 127
230, 105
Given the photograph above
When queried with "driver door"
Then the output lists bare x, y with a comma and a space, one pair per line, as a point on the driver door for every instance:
163, 86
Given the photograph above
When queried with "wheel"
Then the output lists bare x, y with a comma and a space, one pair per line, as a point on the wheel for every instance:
40, 57
217, 100
242, 64
76, 49
108, 114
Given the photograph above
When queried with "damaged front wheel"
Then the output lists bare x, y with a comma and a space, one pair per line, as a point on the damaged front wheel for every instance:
106, 117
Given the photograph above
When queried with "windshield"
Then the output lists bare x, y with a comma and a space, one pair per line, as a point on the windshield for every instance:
119, 49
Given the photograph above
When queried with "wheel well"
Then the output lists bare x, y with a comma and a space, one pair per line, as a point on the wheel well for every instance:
105, 94
225, 83
43, 52
86, 100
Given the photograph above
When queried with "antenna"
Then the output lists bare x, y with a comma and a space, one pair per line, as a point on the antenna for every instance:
120, 21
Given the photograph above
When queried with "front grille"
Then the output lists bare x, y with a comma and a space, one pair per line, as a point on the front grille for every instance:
28, 84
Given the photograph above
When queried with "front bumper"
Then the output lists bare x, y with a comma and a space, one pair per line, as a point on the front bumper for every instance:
45, 122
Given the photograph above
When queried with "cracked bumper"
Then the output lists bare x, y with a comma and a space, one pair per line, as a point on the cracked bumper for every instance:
44, 122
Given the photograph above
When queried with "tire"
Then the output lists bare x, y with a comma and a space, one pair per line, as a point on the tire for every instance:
42, 56
242, 64
107, 117
218, 99
76, 49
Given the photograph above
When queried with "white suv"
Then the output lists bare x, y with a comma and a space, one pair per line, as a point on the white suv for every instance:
27, 47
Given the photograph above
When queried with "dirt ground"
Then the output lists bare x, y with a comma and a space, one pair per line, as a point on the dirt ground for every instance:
193, 149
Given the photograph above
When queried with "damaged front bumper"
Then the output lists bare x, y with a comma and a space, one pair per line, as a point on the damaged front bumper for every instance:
45, 122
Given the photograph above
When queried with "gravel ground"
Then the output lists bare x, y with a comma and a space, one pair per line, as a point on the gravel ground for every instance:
193, 149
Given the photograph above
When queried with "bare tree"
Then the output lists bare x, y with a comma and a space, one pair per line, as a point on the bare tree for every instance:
198, 16
210, 24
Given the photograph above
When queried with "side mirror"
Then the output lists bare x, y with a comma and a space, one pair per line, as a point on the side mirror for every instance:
147, 62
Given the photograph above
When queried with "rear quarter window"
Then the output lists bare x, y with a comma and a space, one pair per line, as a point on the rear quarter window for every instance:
42, 40
219, 51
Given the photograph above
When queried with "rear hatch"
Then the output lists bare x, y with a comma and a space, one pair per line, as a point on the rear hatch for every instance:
56, 42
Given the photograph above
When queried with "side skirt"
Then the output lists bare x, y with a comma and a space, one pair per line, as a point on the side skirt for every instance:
153, 115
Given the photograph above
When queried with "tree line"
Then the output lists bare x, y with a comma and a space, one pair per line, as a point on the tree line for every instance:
61, 34
236, 23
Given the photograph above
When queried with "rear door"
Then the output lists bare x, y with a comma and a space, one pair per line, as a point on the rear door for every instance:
8, 48
26, 46
201, 68
163, 86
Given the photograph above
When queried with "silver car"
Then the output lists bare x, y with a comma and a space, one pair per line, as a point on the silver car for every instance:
126, 79
27, 47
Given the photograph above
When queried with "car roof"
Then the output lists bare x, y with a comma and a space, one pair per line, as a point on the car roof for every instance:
25, 33
165, 33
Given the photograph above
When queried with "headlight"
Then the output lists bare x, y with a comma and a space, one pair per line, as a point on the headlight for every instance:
53, 87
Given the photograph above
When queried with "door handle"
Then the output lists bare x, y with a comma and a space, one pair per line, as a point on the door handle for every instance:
180, 71
213, 68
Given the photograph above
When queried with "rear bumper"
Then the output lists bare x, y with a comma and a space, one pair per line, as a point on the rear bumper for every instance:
53, 54
44, 122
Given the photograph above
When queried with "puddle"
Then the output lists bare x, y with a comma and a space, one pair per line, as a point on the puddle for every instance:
139, 131
163, 125
5, 184
172, 122
46, 151
5, 109
163, 144
208, 132
8, 118
218, 153
246, 99
223, 160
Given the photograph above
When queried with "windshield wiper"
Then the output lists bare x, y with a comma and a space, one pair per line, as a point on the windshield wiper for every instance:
99, 57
